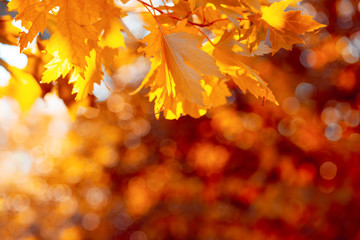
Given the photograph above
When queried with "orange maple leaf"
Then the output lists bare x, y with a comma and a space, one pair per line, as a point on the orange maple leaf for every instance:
285, 27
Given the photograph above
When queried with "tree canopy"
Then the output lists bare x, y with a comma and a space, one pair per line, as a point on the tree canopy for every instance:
195, 47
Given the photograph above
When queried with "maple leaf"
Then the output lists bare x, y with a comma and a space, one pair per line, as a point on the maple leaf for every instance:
109, 27
33, 14
36, 14
71, 35
112, 36
216, 92
93, 74
284, 28
55, 68
176, 73
75, 46
231, 63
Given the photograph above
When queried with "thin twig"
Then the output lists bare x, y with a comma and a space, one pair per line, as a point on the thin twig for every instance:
147, 8
166, 7
191, 23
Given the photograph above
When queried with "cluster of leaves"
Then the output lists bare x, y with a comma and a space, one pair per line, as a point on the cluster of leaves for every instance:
194, 46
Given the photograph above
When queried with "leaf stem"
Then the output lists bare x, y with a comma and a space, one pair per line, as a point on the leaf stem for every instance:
205, 36
146, 5
152, 6
166, 7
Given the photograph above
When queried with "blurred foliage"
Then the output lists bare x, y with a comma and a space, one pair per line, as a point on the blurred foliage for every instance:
243, 171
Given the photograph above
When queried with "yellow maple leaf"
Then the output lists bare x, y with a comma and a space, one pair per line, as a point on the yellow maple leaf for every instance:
110, 26
232, 65
55, 68
112, 36
216, 92
93, 74
274, 14
285, 27
72, 33
33, 16
36, 15
177, 69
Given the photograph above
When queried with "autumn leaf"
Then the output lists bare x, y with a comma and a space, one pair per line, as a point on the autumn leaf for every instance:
285, 27
36, 14
93, 74
72, 32
232, 64
178, 68
110, 26
216, 92
56, 68
33, 15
